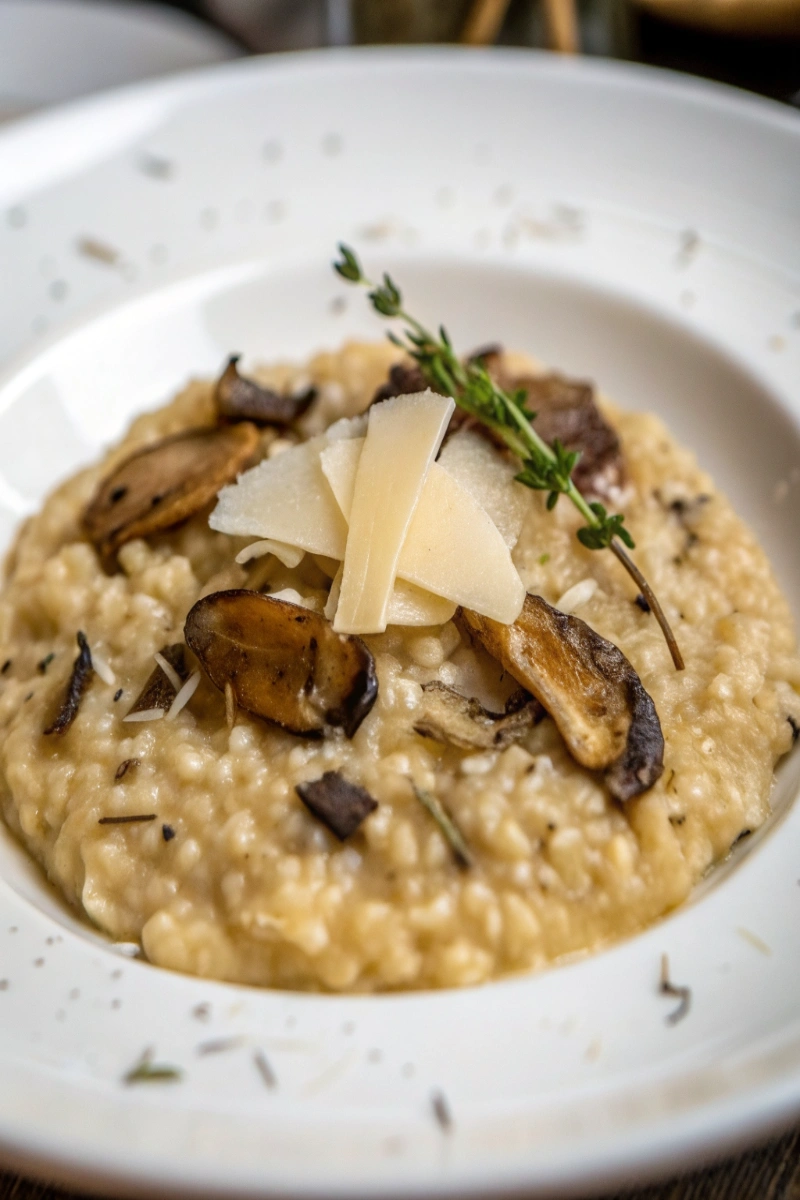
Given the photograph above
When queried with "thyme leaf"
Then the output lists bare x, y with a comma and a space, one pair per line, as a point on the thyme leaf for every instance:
544, 468
447, 825
146, 1071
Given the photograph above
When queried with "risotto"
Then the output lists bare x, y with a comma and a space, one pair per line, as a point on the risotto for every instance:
186, 832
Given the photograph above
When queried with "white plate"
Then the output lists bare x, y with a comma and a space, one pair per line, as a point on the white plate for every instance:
553, 205
56, 50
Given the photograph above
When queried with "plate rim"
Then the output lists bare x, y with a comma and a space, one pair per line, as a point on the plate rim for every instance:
605, 71
658, 1160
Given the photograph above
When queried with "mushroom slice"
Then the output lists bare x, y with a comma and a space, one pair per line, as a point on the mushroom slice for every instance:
588, 687
159, 691
240, 399
566, 409
283, 662
79, 680
163, 484
339, 804
447, 716
405, 379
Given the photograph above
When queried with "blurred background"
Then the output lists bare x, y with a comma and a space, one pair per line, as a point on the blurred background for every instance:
53, 50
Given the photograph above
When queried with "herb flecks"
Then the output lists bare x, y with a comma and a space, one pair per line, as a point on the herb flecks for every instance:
135, 818
544, 468
147, 1071
219, 1045
447, 825
264, 1068
128, 764
668, 988
441, 1112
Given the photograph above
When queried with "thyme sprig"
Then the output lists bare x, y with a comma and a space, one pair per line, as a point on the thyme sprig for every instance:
544, 468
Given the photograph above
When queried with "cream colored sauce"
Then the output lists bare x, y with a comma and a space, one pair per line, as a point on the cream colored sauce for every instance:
254, 889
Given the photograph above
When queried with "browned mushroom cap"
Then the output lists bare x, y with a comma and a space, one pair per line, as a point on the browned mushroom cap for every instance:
165, 483
566, 409
283, 662
588, 687
447, 716
240, 399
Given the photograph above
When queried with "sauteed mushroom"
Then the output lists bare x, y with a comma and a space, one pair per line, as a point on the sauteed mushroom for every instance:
165, 483
404, 380
159, 690
447, 716
588, 687
240, 399
566, 409
283, 662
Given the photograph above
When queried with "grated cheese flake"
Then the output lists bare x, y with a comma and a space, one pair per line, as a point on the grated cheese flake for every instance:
290, 556
170, 672
147, 714
183, 697
403, 437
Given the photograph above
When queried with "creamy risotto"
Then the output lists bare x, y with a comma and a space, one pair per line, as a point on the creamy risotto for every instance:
184, 830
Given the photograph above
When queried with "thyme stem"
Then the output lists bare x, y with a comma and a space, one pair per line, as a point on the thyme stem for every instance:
544, 467
651, 598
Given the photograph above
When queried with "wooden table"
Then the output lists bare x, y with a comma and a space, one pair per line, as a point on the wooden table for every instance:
769, 1173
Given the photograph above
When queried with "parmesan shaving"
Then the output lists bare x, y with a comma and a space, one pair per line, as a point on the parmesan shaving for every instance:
578, 594
147, 714
409, 605
453, 549
403, 437
293, 597
103, 669
285, 499
290, 556
333, 595
488, 476
339, 463
170, 672
184, 695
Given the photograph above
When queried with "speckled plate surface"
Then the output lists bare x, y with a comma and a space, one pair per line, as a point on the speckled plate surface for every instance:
636, 227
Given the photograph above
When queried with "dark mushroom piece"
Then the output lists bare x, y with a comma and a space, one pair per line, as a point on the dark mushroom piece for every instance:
462, 721
159, 690
588, 687
339, 804
489, 356
165, 483
240, 399
405, 379
566, 409
283, 662
79, 680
